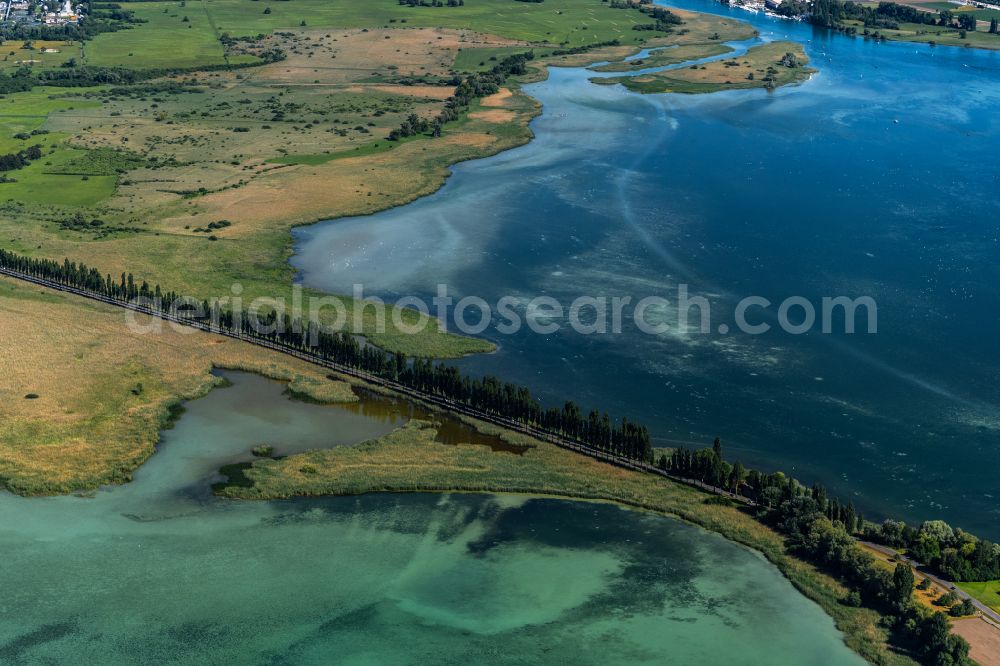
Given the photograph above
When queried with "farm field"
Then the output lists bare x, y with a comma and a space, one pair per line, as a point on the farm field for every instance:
38, 54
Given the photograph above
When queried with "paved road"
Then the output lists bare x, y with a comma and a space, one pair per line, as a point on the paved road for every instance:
946, 584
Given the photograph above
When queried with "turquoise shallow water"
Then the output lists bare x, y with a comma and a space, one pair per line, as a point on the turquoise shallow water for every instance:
876, 178
160, 572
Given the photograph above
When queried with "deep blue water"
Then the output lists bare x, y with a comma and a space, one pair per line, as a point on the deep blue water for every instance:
878, 177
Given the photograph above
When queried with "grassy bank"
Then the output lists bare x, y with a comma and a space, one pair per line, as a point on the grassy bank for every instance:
987, 592
409, 460
926, 34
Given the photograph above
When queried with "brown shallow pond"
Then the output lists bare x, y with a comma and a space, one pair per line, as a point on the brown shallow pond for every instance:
397, 411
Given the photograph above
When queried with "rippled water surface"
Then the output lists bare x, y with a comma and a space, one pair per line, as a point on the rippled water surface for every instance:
877, 177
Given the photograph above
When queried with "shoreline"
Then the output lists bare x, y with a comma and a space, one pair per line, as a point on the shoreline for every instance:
539, 72
668, 498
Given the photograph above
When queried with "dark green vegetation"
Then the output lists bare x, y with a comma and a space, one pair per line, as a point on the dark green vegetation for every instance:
664, 19
891, 20
474, 86
822, 530
483, 58
263, 451
373, 148
20, 159
832, 14
103, 162
953, 553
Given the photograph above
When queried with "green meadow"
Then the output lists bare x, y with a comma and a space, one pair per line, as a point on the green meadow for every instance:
24, 113
987, 592
166, 40
40, 55
981, 14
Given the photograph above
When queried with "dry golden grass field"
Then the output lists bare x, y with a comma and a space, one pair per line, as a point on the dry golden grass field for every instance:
82, 399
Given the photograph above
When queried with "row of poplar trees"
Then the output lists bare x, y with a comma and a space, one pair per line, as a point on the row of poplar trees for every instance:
487, 394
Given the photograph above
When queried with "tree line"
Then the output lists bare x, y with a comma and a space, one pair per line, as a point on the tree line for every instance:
950, 552
487, 394
25, 78
467, 89
823, 530
20, 159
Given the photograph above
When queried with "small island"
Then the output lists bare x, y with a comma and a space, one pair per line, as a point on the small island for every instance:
767, 66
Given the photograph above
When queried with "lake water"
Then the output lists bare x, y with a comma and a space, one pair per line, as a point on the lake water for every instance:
159, 571
879, 177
